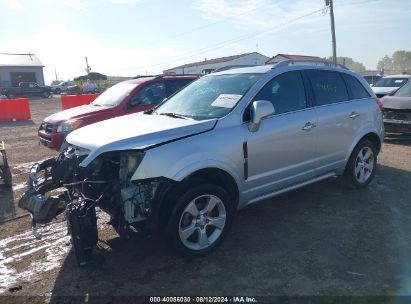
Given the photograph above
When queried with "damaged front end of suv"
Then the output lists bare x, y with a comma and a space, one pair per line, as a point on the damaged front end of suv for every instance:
105, 183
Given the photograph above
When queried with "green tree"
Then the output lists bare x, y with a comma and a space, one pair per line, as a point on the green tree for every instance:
399, 61
385, 63
350, 63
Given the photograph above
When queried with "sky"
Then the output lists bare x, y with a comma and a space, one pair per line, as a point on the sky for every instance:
138, 37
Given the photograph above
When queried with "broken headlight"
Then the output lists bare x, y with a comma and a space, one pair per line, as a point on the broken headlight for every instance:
129, 162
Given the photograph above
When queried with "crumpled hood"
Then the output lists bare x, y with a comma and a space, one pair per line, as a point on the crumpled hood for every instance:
398, 103
134, 131
74, 113
383, 90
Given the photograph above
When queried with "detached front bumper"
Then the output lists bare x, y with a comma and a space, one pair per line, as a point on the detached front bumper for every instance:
43, 208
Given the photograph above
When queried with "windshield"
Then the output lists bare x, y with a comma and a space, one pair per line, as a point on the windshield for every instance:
391, 82
115, 95
404, 91
212, 96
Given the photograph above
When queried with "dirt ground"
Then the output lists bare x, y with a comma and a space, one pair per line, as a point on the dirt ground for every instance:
324, 239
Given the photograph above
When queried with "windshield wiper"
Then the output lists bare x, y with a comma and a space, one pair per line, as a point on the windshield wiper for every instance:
175, 115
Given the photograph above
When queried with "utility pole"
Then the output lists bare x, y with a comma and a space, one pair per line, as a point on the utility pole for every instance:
55, 73
88, 69
329, 4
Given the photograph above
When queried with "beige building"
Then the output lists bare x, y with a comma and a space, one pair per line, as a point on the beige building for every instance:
210, 65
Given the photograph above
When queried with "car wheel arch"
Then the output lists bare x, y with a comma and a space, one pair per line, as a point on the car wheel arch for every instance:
212, 175
371, 136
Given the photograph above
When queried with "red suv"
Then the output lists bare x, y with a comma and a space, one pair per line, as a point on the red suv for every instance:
127, 97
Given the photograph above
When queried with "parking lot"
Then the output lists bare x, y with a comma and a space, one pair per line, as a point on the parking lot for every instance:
324, 239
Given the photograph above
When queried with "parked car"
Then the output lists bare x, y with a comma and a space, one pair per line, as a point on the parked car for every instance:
61, 87
72, 90
226, 141
127, 97
389, 84
397, 114
372, 79
26, 89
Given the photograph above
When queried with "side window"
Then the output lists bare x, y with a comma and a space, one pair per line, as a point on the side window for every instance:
152, 93
173, 86
328, 87
286, 92
357, 91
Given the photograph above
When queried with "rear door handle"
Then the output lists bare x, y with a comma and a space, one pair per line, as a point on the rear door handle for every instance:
308, 126
354, 115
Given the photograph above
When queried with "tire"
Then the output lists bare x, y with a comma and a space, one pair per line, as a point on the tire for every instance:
361, 166
201, 218
46, 94
57, 91
8, 179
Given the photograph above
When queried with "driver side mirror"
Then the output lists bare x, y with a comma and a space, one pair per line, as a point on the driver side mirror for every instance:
259, 109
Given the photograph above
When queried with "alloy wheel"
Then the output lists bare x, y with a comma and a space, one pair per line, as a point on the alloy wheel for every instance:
364, 164
202, 222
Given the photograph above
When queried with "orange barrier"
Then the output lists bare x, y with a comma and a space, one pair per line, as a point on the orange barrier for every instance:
71, 101
14, 109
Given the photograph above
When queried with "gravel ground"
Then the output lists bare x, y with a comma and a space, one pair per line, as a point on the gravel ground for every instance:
324, 239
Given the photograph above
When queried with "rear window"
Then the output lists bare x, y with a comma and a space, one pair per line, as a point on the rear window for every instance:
357, 91
328, 87
391, 82
173, 86
404, 91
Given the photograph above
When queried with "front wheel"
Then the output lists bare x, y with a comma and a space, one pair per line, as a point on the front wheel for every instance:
362, 164
200, 219
46, 94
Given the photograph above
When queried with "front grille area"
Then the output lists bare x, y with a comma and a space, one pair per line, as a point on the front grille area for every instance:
397, 114
46, 127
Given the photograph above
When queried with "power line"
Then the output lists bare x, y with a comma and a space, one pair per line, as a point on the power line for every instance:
228, 42
210, 24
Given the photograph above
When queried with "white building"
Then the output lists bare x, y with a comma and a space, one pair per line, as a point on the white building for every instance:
15, 68
208, 66
281, 57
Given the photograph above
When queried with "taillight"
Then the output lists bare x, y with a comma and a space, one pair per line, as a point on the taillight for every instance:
380, 105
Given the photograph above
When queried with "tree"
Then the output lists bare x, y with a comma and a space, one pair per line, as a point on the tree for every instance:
350, 63
400, 61
385, 63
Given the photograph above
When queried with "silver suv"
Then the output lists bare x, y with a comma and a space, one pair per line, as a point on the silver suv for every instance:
228, 140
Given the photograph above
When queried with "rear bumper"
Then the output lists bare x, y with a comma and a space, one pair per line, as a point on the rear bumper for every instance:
397, 126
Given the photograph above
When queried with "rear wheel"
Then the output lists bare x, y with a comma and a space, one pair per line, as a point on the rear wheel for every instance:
200, 220
362, 164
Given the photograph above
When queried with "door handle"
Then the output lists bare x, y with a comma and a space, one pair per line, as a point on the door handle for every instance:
354, 115
308, 126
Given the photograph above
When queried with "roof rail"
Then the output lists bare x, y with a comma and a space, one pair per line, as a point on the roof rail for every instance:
285, 63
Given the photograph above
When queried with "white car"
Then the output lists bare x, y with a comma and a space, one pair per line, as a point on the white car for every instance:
389, 84
61, 87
